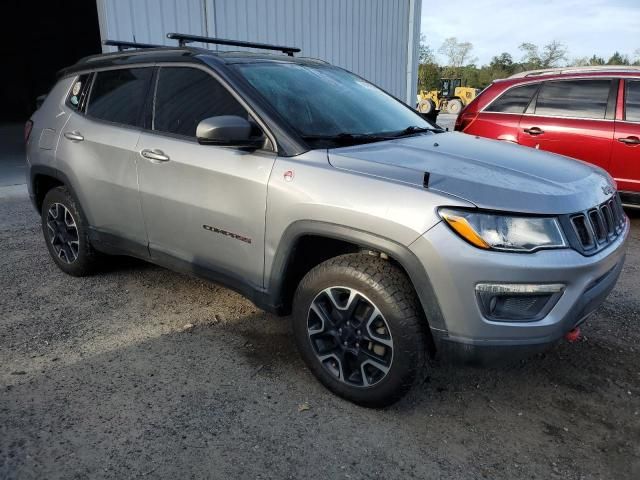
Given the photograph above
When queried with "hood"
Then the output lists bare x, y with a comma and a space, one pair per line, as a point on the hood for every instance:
490, 174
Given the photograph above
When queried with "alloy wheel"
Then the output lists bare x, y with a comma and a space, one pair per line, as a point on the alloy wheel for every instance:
63, 233
350, 336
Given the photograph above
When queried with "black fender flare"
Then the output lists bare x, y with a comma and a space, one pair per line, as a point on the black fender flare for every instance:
48, 171
398, 252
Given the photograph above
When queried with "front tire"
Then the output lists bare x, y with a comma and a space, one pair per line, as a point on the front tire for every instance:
359, 328
66, 234
426, 106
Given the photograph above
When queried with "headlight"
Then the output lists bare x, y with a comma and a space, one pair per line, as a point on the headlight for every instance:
504, 232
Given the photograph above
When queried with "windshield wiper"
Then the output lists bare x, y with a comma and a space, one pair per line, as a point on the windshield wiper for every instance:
345, 138
413, 129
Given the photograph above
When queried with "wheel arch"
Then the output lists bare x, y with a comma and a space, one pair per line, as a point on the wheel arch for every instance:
42, 179
285, 273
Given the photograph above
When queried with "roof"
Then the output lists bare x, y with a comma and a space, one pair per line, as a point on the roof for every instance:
179, 54
575, 70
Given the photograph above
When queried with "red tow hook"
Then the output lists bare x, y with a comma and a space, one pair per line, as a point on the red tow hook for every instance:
572, 336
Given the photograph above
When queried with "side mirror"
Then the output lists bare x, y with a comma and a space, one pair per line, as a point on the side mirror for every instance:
228, 131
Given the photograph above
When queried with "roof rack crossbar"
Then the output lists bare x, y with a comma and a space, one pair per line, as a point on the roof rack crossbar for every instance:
183, 39
124, 45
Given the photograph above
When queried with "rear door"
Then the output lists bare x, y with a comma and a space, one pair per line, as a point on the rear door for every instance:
203, 205
501, 118
573, 118
625, 156
97, 152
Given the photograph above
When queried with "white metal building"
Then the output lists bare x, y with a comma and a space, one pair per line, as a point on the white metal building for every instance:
376, 39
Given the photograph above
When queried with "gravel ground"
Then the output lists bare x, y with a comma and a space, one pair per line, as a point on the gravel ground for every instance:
141, 372
446, 120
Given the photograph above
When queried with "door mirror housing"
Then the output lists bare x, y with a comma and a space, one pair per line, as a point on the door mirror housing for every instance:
228, 131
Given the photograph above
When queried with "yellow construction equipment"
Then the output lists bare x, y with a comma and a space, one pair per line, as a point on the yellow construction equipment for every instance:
451, 98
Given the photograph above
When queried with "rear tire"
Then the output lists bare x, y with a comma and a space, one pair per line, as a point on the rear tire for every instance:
359, 327
454, 106
66, 234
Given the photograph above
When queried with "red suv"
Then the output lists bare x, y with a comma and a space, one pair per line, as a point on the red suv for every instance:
592, 114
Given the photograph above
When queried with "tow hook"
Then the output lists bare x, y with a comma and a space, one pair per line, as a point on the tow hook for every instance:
572, 336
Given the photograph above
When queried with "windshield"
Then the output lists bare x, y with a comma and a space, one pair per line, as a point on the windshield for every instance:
325, 104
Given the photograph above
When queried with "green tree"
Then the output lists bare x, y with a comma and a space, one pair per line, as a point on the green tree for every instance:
588, 62
618, 59
458, 55
428, 69
425, 53
550, 56
501, 66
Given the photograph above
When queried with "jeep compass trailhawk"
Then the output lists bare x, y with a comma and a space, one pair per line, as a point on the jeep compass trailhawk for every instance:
316, 194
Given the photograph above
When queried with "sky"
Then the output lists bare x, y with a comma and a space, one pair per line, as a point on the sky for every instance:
586, 27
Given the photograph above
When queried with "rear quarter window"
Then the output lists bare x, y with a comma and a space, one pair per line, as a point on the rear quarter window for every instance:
78, 92
514, 100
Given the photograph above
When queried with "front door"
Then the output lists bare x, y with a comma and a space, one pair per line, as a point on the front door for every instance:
625, 156
572, 118
203, 205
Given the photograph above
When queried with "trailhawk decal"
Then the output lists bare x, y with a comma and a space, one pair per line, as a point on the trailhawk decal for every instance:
227, 234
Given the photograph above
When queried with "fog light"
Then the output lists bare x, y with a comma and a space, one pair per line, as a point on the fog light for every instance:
516, 301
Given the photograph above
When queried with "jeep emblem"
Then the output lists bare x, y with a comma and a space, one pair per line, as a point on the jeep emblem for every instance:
607, 189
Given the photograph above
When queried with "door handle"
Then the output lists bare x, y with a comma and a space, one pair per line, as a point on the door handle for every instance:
630, 140
156, 156
534, 131
74, 136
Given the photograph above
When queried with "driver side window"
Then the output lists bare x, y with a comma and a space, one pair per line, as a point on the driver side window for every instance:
185, 96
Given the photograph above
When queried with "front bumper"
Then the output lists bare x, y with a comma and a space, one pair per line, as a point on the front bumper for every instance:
455, 268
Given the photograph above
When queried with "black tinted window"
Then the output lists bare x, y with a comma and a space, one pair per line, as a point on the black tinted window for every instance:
185, 96
575, 98
632, 104
514, 100
118, 95
78, 91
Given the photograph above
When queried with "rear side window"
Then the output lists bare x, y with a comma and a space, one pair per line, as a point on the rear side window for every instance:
78, 91
118, 95
632, 103
574, 98
514, 100
185, 96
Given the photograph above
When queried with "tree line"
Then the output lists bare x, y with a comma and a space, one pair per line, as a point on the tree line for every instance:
461, 63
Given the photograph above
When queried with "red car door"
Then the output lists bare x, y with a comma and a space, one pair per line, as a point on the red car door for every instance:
501, 118
625, 154
573, 118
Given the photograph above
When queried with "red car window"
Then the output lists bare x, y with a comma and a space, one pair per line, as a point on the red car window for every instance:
514, 100
632, 107
574, 98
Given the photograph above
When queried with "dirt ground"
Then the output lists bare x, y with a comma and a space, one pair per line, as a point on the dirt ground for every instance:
141, 372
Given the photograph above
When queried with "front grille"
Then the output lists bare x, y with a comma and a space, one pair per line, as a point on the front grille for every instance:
609, 221
598, 227
581, 227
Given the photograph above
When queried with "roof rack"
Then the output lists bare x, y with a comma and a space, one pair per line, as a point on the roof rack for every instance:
124, 45
183, 39
561, 70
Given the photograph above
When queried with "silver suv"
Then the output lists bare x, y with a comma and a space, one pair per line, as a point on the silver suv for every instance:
316, 194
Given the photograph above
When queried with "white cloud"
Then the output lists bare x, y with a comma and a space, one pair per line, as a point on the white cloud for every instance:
587, 27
